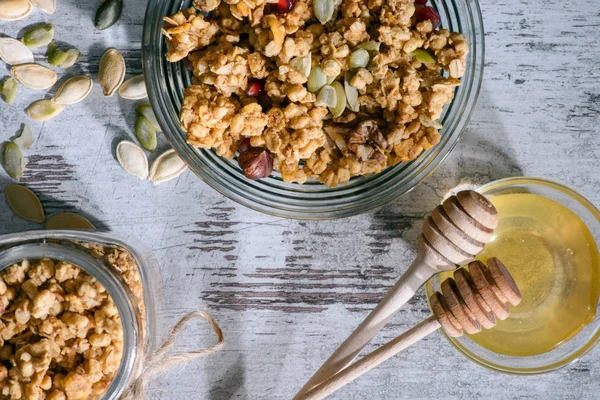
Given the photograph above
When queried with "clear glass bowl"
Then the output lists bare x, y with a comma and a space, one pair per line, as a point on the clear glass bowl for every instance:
165, 83
63, 245
568, 351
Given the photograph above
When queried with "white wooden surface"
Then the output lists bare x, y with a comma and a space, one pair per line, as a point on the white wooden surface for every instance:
286, 292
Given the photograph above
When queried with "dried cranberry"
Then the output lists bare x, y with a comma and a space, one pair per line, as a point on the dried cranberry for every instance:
428, 13
282, 6
421, 2
244, 145
255, 87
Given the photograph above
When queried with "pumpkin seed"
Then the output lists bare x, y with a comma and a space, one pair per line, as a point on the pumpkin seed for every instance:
43, 110
145, 133
428, 122
12, 10
133, 88
69, 220
47, 6
359, 59
323, 10
73, 56
166, 167
74, 90
302, 64
9, 89
25, 139
351, 94
423, 56
39, 36
34, 76
327, 97
340, 98
108, 13
56, 56
145, 110
24, 203
371, 45
111, 71
14, 52
13, 161
317, 79
132, 159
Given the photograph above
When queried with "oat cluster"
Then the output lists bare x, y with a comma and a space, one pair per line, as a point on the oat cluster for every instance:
60, 331
233, 44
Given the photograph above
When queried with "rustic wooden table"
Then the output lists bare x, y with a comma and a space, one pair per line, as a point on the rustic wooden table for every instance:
288, 292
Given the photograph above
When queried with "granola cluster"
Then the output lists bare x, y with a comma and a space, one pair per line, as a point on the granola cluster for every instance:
261, 72
61, 335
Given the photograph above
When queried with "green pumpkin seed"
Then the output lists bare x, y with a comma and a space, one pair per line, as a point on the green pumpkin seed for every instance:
13, 160
327, 97
25, 139
43, 110
323, 10
423, 56
371, 45
359, 58
351, 93
69, 220
39, 36
24, 203
145, 110
145, 133
108, 13
317, 79
302, 64
73, 56
56, 56
9, 89
340, 98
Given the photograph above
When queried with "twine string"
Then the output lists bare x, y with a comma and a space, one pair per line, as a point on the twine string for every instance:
161, 362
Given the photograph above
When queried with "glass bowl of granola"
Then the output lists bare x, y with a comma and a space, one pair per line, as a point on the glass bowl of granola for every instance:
313, 109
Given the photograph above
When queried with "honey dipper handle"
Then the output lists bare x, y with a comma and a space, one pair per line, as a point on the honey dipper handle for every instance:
416, 275
373, 359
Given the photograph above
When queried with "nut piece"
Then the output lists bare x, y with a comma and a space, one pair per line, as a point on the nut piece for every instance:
256, 163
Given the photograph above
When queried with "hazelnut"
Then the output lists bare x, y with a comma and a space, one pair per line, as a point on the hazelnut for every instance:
256, 163
244, 145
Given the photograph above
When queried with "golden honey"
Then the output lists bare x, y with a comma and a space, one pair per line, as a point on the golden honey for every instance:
554, 260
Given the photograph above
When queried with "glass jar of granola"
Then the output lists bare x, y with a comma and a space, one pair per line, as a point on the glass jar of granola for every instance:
78, 314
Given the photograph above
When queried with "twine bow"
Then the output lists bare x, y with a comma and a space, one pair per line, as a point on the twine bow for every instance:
158, 362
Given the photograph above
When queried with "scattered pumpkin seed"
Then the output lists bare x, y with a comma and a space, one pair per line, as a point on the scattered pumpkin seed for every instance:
428, 122
145, 133
56, 56
323, 10
43, 110
14, 52
69, 220
108, 13
166, 167
25, 139
327, 97
39, 36
111, 71
13, 160
47, 6
74, 90
133, 159
317, 79
302, 64
34, 76
145, 110
359, 59
9, 89
423, 56
73, 56
133, 88
340, 98
12, 10
371, 45
24, 203
351, 93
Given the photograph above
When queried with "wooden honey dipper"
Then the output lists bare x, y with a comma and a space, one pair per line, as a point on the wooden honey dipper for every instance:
470, 301
453, 235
